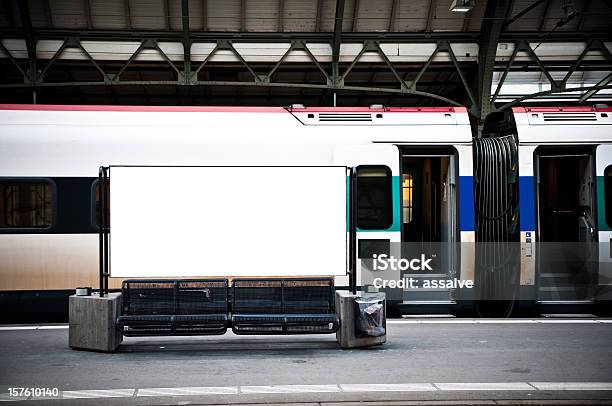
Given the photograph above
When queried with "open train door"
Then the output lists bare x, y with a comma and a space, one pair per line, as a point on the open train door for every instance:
567, 228
604, 214
429, 221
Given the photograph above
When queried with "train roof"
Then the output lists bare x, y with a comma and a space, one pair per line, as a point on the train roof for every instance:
229, 109
563, 125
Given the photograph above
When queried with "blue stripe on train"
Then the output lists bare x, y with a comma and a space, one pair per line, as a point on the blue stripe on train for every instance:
527, 202
466, 203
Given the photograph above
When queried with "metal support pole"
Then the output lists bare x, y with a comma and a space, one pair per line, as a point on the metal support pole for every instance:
103, 231
352, 231
106, 229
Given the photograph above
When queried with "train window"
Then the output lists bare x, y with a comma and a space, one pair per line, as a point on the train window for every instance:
374, 197
407, 189
26, 204
96, 203
608, 195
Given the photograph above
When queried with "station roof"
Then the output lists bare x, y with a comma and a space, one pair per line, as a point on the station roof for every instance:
408, 32
302, 16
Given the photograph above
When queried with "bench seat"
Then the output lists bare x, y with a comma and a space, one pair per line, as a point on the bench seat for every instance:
284, 323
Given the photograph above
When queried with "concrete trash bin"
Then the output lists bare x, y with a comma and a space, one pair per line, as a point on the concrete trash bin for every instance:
92, 322
362, 319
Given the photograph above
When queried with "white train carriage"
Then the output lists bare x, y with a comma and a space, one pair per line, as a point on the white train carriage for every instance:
414, 185
565, 167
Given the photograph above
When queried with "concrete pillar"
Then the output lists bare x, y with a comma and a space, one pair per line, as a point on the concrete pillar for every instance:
93, 322
346, 335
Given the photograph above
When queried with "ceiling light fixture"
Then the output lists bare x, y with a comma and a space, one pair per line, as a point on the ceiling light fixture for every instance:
462, 6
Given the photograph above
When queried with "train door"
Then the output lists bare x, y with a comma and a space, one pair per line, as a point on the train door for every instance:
567, 231
428, 221
604, 215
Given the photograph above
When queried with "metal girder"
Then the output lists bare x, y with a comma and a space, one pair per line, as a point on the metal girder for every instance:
424, 68
204, 15
166, 11
69, 43
583, 12
544, 14
355, 16
30, 40
493, 22
405, 87
12, 59
110, 79
524, 46
430, 15
280, 24
347, 37
467, 19
587, 89
577, 63
385, 58
88, 16
186, 41
242, 15
605, 81
505, 74
445, 47
128, 14
48, 15
393, 15
337, 39
317, 25
556, 86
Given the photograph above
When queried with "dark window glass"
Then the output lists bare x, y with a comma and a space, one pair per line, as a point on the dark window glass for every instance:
374, 197
96, 203
25, 204
608, 195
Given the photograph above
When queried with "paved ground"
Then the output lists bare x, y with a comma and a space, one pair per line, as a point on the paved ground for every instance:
494, 360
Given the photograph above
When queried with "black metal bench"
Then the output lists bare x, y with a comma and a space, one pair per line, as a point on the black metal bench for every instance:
284, 306
174, 307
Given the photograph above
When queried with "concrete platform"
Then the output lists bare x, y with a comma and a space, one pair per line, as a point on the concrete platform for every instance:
429, 360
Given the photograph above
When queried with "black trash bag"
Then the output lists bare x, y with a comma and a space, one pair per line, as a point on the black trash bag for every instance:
370, 318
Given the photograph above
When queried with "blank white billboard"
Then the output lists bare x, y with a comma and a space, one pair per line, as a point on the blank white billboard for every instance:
227, 221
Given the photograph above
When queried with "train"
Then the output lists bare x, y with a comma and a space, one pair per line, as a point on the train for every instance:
423, 182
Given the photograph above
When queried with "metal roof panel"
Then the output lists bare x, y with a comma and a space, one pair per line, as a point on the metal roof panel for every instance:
108, 14
374, 15
262, 16
412, 15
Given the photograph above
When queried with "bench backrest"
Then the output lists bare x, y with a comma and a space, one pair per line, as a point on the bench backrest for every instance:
178, 297
284, 296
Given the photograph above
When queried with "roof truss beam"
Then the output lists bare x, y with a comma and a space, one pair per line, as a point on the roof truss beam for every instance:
186, 75
337, 38
264, 37
493, 23
393, 15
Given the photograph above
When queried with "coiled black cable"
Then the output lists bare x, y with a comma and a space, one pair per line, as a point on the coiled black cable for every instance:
497, 232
